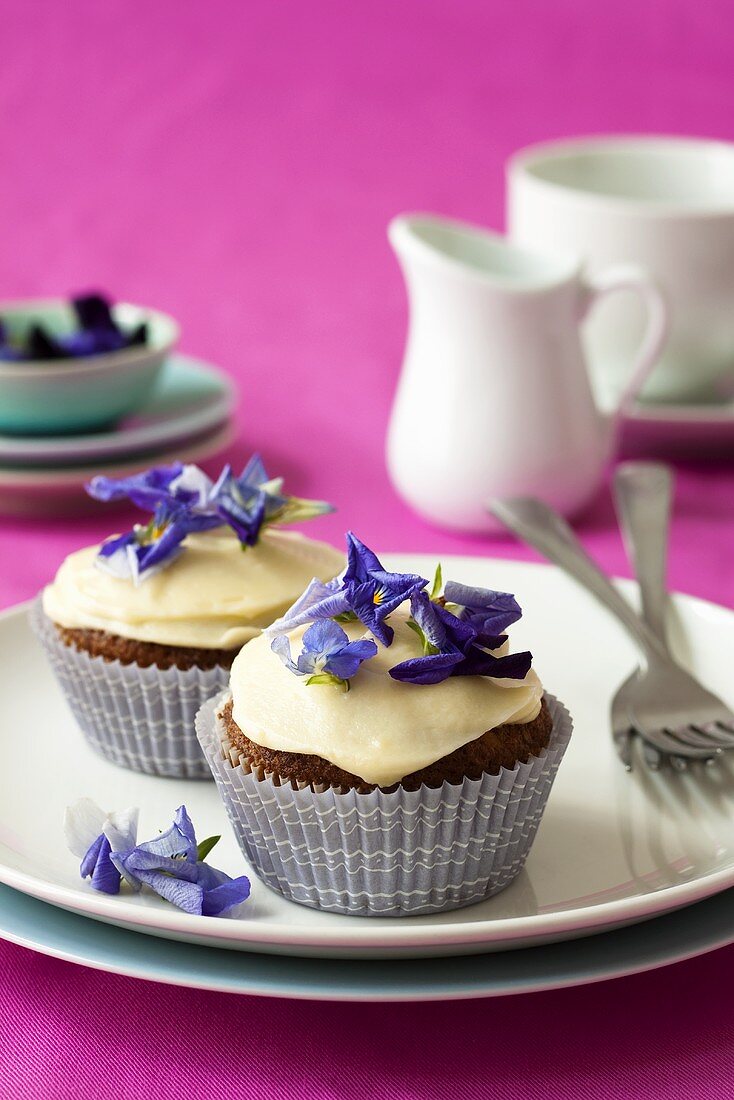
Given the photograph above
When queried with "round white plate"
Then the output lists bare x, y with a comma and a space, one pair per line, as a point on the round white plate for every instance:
613, 848
60, 491
689, 932
190, 398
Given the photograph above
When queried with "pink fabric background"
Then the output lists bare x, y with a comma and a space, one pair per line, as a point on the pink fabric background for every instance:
236, 164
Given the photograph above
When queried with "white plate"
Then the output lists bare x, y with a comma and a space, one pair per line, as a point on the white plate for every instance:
60, 491
647, 946
613, 848
190, 398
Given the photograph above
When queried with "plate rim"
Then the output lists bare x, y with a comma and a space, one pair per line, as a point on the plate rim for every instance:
502, 933
240, 983
130, 441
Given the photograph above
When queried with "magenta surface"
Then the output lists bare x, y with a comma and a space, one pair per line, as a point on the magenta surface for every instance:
236, 164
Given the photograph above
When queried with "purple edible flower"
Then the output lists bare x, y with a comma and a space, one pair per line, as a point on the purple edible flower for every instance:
146, 549
489, 612
174, 484
373, 592
453, 646
253, 500
170, 865
327, 655
98, 868
91, 834
444, 639
365, 590
242, 502
97, 334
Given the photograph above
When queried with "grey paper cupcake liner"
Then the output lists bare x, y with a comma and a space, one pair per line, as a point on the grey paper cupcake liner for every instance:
394, 854
139, 718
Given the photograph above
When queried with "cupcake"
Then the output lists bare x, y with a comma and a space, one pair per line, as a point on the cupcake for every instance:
380, 750
143, 628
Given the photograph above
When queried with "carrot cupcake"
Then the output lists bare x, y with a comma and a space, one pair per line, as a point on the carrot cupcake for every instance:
379, 750
141, 629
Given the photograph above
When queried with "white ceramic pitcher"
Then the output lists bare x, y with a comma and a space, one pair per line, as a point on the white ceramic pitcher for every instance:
494, 398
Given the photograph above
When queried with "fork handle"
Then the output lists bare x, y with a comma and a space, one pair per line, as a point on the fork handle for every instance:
540, 526
643, 493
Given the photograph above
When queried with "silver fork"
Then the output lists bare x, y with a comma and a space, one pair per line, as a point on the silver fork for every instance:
643, 495
669, 709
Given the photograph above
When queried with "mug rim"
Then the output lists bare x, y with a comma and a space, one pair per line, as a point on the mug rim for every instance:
524, 163
402, 235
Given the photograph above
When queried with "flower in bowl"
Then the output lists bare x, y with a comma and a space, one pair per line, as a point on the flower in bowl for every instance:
80, 365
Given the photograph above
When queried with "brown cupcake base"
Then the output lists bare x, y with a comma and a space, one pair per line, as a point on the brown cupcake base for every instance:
502, 747
128, 651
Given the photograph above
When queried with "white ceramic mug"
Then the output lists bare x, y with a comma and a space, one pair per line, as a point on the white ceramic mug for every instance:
494, 397
665, 203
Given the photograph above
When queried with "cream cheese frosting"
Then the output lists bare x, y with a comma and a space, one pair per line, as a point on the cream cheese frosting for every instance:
381, 729
215, 595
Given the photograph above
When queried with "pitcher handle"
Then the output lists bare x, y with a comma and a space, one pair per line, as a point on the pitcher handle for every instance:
631, 277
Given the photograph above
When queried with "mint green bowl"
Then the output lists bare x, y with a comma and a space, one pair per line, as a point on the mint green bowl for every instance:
79, 395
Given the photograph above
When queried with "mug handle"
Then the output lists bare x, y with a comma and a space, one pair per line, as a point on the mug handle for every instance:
631, 277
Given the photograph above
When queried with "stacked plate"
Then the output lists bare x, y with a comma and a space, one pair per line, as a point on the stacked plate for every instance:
188, 416
650, 851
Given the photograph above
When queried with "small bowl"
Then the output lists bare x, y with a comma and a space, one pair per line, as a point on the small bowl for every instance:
78, 395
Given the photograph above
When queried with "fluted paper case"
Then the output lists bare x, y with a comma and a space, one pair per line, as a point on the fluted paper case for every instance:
406, 852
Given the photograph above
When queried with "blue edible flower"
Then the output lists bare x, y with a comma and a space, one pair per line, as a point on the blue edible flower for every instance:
172, 864
246, 503
173, 484
453, 646
364, 591
91, 835
327, 656
253, 500
489, 612
148, 548
97, 333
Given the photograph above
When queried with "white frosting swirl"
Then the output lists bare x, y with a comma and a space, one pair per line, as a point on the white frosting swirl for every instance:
380, 730
215, 595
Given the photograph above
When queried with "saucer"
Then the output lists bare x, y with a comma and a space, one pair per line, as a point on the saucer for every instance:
685, 431
190, 398
58, 491
682, 935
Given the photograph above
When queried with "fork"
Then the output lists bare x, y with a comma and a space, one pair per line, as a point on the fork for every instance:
668, 708
643, 495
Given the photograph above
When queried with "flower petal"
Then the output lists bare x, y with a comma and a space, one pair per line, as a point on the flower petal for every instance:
346, 662
319, 601
121, 828
431, 669
282, 648
83, 823
489, 611
512, 666
225, 896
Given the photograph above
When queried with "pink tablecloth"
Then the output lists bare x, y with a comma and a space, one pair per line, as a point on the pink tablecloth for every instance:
236, 164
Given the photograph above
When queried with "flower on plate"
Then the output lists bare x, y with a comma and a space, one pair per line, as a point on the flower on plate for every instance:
454, 646
327, 656
253, 500
150, 547
172, 864
91, 835
364, 591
